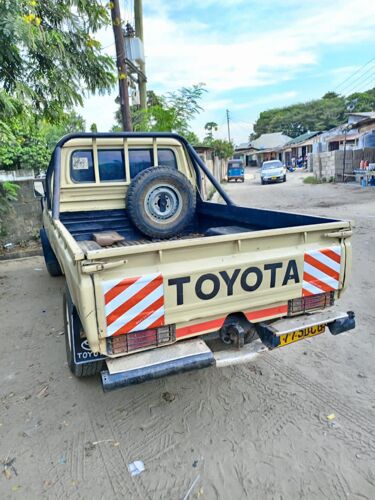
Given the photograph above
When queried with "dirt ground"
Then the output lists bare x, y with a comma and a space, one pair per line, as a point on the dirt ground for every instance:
258, 431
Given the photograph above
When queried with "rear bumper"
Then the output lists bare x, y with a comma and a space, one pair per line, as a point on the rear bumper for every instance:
337, 323
194, 354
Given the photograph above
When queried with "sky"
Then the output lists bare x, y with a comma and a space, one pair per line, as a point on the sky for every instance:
251, 55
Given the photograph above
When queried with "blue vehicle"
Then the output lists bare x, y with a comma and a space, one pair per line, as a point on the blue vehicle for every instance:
235, 171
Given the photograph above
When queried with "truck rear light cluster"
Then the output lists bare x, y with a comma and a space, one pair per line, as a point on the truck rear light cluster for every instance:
304, 304
144, 339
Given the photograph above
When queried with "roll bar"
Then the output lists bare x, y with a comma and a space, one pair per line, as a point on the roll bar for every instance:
54, 168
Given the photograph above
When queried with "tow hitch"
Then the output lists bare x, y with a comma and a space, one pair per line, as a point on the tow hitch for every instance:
233, 333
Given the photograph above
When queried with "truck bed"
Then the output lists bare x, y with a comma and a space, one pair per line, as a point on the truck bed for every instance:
211, 219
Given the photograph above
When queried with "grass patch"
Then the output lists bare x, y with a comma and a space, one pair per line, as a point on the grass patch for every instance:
311, 179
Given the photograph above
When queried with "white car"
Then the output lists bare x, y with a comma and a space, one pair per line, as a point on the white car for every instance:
272, 171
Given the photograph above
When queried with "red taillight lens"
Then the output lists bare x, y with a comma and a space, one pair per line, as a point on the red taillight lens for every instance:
135, 341
304, 304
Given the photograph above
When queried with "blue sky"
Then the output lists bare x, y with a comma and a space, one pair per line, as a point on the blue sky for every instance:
252, 55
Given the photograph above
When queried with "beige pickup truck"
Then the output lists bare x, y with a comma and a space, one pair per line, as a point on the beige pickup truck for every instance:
160, 281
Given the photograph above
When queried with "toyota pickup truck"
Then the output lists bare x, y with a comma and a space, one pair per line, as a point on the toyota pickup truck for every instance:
161, 281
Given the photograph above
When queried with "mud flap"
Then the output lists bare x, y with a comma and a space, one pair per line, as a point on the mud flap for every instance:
82, 352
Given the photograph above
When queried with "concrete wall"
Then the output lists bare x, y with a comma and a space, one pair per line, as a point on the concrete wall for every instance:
16, 175
331, 164
24, 220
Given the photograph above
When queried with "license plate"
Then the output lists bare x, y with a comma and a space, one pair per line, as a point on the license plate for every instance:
311, 331
274, 178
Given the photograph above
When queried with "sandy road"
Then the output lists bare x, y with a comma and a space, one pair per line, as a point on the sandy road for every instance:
258, 431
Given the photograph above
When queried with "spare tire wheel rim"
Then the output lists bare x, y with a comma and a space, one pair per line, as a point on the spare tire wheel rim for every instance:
163, 203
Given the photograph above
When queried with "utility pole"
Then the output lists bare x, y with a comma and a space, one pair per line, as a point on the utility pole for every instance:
121, 68
138, 17
228, 125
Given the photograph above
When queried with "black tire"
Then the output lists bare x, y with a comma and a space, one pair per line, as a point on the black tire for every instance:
72, 328
262, 182
161, 202
284, 180
52, 264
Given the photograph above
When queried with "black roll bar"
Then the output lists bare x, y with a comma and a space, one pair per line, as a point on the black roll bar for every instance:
54, 167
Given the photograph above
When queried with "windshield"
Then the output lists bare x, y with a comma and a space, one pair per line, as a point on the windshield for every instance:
235, 164
268, 165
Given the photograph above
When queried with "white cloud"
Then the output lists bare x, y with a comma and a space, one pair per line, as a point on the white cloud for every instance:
181, 53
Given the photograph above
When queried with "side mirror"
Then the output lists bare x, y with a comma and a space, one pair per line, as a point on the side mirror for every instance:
39, 191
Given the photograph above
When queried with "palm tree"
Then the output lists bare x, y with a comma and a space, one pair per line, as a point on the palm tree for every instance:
210, 127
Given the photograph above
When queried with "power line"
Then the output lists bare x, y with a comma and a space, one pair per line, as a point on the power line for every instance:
354, 82
355, 72
360, 85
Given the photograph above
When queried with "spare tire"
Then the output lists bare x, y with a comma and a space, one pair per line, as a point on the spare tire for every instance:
161, 202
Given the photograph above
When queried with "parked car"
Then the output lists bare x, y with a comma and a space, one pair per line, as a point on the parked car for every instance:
160, 281
272, 171
235, 171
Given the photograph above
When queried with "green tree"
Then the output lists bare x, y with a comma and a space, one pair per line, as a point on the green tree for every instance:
222, 148
171, 112
320, 114
210, 127
26, 141
361, 101
49, 57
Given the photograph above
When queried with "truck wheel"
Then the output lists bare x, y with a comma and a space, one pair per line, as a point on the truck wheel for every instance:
161, 202
72, 329
52, 264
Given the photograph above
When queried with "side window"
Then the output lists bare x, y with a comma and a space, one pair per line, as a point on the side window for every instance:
82, 166
111, 165
140, 159
167, 158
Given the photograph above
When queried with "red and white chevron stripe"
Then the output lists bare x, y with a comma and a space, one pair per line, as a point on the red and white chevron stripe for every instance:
321, 271
134, 304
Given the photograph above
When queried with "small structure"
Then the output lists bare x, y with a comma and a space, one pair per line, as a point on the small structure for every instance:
298, 147
265, 147
244, 152
346, 136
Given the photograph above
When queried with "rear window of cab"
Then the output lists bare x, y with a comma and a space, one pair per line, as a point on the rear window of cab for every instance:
111, 163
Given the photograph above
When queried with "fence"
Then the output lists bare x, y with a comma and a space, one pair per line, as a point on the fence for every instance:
330, 165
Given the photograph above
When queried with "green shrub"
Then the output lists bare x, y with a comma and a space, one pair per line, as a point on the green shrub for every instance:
311, 179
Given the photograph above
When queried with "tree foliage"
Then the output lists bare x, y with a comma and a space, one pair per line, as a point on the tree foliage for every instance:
171, 112
26, 141
222, 148
48, 55
210, 127
321, 114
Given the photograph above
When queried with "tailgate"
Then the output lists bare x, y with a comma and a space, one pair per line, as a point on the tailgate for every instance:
184, 282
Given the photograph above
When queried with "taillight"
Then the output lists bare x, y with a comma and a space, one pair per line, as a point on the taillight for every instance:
304, 304
144, 339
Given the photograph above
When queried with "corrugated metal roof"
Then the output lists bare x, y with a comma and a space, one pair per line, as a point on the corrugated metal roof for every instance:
368, 114
302, 138
270, 141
